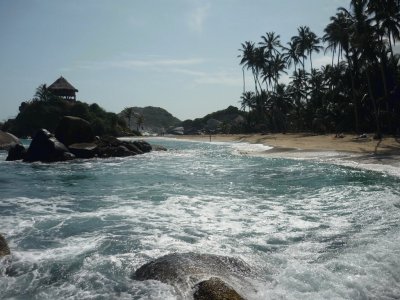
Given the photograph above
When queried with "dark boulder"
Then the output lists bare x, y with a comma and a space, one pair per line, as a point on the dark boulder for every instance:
158, 148
132, 147
107, 141
4, 249
7, 140
109, 146
122, 151
215, 289
73, 130
142, 145
83, 150
46, 148
16, 152
184, 271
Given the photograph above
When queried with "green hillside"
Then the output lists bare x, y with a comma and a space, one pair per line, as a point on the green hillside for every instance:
150, 119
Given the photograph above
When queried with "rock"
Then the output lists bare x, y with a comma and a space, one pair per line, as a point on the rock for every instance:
132, 148
72, 130
122, 151
143, 146
158, 148
215, 289
46, 148
4, 250
109, 146
183, 271
108, 141
16, 152
83, 150
7, 140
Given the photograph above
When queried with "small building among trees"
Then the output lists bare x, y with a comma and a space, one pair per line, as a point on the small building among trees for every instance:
63, 89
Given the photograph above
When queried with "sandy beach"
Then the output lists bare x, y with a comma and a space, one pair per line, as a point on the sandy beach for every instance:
350, 147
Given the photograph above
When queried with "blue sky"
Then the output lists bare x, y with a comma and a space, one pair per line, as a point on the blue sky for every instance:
177, 54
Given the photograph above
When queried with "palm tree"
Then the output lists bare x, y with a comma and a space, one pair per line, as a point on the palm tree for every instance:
292, 55
337, 35
301, 42
270, 44
247, 58
42, 93
298, 91
259, 64
313, 45
247, 100
267, 74
278, 65
386, 14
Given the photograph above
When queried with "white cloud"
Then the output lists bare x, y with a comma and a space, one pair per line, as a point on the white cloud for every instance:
213, 78
197, 17
187, 67
157, 63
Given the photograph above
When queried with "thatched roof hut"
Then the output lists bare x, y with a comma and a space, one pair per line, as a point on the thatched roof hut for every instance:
62, 88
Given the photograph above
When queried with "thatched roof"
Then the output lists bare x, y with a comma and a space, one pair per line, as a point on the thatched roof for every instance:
62, 84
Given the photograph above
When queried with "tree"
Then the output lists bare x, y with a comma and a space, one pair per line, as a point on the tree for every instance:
278, 66
247, 100
139, 121
386, 15
292, 55
42, 93
270, 44
248, 59
300, 41
313, 45
128, 113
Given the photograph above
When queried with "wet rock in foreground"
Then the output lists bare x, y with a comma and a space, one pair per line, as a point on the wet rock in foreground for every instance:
215, 289
46, 148
184, 272
4, 249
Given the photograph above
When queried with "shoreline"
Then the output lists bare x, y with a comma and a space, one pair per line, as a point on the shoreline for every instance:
350, 149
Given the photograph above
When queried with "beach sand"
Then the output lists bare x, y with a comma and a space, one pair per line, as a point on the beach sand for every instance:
310, 146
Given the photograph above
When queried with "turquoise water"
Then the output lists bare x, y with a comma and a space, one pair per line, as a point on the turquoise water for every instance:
310, 230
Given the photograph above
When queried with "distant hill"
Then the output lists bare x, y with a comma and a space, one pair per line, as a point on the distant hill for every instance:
229, 120
150, 119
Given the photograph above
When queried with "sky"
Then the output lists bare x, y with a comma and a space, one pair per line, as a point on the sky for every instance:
181, 55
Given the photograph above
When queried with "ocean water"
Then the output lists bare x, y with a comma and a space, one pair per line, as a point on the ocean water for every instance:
308, 229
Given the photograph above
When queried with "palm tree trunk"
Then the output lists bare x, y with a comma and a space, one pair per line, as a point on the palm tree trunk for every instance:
374, 105
244, 81
255, 81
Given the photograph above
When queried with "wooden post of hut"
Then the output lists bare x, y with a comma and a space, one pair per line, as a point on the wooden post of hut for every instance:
63, 89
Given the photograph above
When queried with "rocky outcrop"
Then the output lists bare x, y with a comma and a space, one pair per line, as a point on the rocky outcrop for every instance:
73, 130
83, 150
7, 140
109, 146
215, 289
4, 249
144, 146
46, 148
74, 139
185, 271
16, 152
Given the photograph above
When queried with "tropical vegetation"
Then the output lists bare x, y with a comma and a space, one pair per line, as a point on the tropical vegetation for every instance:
359, 90
45, 110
